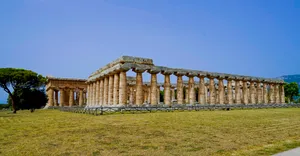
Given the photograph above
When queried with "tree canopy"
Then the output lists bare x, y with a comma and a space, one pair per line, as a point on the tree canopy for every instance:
19, 79
291, 90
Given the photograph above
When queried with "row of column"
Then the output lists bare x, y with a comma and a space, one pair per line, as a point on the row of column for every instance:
66, 97
108, 90
112, 89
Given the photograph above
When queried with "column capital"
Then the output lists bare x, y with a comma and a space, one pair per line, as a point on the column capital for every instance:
179, 73
191, 74
167, 72
139, 70
220, 77
154, 70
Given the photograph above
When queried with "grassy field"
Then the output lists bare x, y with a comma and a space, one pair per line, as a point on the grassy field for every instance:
238, 132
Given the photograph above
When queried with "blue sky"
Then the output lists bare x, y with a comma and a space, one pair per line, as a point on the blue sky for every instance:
73, 38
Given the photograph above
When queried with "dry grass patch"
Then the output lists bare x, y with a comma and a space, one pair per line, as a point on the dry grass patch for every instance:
238, 132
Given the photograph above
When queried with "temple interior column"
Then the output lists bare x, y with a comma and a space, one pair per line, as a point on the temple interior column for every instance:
66, 98
259, 93
131, 95
97, 92
221, 90
110, 89
55, 97
245, 91
179, 89
101, 90
71, 97
94, 94
88, 95
206, 95
62, 97
149, 94
116, 88
123, 88
211, 91
50, 97
237, 92
252, 92
139, 88
272, 101
80, 97
277, 96
229, 91
153, 88
167, 89
105, 102
186, 99
265, 93
201, 91
172, 94
282, 94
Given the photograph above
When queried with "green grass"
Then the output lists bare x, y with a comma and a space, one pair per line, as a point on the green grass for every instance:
238, 132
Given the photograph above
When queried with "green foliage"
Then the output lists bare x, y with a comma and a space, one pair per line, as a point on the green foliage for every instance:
6, 106
19, 79
161, 96
29, 99
291, 90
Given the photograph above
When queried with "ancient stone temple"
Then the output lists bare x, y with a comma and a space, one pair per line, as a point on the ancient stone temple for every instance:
110, 86
70, 92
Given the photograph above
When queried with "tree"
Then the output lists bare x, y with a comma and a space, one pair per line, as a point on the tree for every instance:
29, 99
19, 79
291, 90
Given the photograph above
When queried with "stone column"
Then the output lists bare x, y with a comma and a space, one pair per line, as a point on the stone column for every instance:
211, 91
116, 89
173, 94
191, 87
167, 89
272, 100
105, 102
149, 94
139, 87
101, 90
237, 92
110, 89
259, 93
229, 91
80, 97
153, 87
71, 97
265, 93
282, 94
277, 95
179, 89
252, 92
206, 95
201, 92
50, 97
131, 95
245, 92
123, 88
55, 98
97, 93
221, 90
62, 97
94, 94
186, 94
88, 96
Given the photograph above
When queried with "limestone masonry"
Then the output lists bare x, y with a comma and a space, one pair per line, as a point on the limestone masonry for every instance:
111, 86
